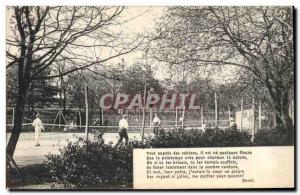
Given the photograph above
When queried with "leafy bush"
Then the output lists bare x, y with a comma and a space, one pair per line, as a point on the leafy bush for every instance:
86, 164
195, 138
270, 138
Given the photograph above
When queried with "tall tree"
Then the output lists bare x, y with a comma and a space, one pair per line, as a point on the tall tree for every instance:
134, 80
257, 40
40, 93
81, 36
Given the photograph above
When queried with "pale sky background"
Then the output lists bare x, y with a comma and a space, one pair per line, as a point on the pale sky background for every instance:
144, 22
141, 20
144, 17
295, 3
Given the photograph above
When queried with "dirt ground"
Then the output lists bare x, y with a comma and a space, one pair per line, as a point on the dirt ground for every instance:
27, 154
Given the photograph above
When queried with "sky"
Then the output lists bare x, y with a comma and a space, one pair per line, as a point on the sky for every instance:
141, 20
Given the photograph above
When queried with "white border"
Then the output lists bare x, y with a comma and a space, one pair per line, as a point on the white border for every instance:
154, 2
116, 2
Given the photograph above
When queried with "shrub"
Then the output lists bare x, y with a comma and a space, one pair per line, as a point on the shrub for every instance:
86, 164
196, 138
270, 138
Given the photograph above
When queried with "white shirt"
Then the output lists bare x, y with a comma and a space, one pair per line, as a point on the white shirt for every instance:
180, 119
156, 120
38, 124
123, 124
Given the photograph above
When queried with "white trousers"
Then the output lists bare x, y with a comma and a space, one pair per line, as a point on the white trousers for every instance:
37, 137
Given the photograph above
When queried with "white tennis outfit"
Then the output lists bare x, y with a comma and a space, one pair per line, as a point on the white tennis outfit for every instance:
38, 127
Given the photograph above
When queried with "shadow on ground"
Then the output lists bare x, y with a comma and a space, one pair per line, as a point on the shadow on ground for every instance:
34, 174
36, 177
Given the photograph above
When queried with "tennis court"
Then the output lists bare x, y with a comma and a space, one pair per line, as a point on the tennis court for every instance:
26, 153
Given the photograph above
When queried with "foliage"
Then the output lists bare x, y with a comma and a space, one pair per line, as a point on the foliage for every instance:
270, 138
255, 43
40, 36
11, 86
33, 174
90, 164
86, 164
135, 78
195, 138
40, 92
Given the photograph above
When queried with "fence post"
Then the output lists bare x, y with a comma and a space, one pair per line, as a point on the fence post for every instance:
86, 113
143, 124
79, 118
229, 115
150, 122
242, 113
253, 120
259, 115
202, 119
59, 118
176, 116
13, 117
216, 111
182, 122
139, 117
102, 117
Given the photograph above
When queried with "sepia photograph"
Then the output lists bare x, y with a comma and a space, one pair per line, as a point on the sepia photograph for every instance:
150, 97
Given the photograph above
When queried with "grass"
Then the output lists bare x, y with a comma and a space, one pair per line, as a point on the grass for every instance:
36, 177
35, 174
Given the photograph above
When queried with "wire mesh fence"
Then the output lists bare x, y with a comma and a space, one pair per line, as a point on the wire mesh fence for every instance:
74, 120
56, 120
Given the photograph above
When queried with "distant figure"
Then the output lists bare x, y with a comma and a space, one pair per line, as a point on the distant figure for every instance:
156, 123
204, 124
203, 127
234, 127
232, 124
96, 122
72, 125
123, 127
136, 119
38, 127
181, 119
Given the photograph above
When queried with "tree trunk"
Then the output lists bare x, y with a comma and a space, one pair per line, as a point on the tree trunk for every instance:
31, 107
64, 101
283, 119
19, 112
60, 99
288, 122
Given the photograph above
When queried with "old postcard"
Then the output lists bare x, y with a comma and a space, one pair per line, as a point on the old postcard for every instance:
152, 97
